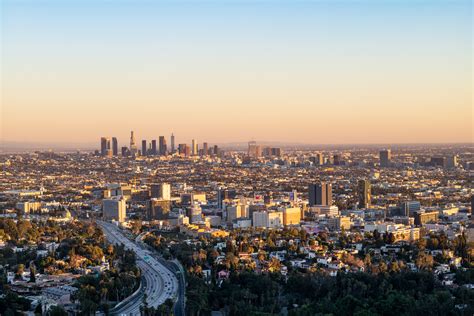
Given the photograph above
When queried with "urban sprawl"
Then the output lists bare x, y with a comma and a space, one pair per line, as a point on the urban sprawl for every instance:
198, 229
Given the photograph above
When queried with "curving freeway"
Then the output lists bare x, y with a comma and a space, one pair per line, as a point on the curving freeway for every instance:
158, 282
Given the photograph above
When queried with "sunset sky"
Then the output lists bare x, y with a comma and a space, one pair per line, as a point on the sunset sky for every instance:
224, 71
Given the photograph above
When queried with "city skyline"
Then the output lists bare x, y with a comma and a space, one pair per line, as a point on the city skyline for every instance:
338, 73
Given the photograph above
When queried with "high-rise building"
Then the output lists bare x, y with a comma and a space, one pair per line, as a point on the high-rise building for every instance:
172, 143
154, 150
363, 192
267, 219
254, 150
114, 146
114, 208
105, 148
158, 208
320, 194
205, 149
291, 216
409, 208
144, 148
451, 161
133, 146
194, 147
162, 143
161, 191
385, 158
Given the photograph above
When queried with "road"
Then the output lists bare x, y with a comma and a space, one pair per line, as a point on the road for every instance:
176, 267
159, 283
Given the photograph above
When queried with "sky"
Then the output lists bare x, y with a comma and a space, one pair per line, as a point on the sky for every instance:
320, 72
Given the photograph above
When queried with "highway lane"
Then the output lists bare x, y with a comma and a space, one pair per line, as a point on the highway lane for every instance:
159, 282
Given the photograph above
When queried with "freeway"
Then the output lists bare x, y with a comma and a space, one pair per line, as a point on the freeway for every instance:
159, 283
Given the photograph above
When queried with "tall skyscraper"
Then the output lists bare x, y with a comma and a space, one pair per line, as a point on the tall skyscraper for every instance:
363, 192
105, 146
144, 147
205, 149
385, 158
133, 146
163, 148
153, 147
320, 194
172, 143
114, 146
194, 148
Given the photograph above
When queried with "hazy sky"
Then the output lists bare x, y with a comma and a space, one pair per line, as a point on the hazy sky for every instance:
303, 71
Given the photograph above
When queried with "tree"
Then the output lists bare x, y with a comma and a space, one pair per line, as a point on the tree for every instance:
56, 311
32, 272
20, 269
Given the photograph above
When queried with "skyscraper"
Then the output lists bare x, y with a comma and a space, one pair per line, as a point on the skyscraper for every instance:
105, 146
114, 146
163, 149
385, 158
114, 208
153, 147
172, 143
194, 148
161, 191
320, 194
363, 191
133, 146
144, 149
205, 149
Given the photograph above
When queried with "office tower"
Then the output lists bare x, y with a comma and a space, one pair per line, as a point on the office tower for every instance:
162, 143
320, 159
144, 148
114, 146
451, 161
105, 148
320, 194
133, 146
216, 150
267, 219
181, 149
115, 208
276, 151
291, 215
161, 191
254, 150
172, 143
158, 209
409, 208
194, 147
205, 149
385, 158
337, 159
363, 192
153, 147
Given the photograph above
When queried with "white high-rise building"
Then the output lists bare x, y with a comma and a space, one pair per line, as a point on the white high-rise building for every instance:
267, 219
114, 208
